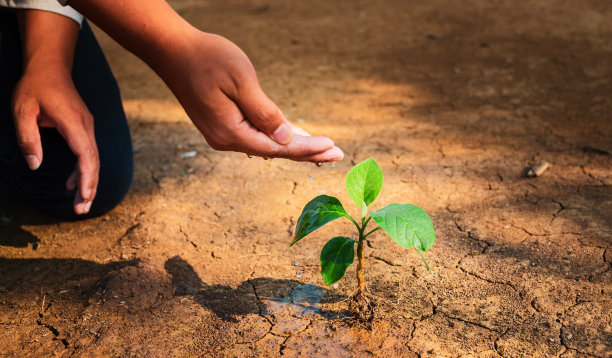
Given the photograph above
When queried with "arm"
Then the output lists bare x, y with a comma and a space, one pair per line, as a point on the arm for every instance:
211, 77
45, 97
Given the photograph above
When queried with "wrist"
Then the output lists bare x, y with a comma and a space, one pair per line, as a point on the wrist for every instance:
48, 65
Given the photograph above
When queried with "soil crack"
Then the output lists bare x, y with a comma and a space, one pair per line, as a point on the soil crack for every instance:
472, 323
496, 343
195, 246
378, 258
491, 281
50, 327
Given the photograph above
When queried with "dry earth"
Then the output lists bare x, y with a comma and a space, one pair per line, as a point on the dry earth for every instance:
453, 98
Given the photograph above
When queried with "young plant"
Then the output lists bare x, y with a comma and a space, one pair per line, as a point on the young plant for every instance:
407, 224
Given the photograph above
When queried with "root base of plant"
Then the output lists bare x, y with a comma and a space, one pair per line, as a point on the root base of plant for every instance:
362, 307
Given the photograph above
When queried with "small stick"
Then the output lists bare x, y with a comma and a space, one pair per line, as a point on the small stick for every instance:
42, 307
537, 169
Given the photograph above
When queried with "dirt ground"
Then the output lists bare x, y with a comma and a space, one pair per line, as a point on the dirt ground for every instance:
454, 99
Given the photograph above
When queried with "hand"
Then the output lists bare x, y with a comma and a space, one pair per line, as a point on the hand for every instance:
217, 85
48, 98
211, 77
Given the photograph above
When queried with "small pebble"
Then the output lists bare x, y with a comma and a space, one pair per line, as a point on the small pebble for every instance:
189, 154
569, 336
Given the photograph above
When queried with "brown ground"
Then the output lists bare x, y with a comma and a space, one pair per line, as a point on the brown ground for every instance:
453, 98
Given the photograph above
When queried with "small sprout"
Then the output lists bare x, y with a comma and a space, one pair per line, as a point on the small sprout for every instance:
406, 224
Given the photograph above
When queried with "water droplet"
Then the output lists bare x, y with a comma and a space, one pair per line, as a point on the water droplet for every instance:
296, 263
310, 179
299, 275
250, 155
319, 164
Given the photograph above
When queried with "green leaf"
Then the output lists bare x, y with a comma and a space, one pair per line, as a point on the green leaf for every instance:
408, 225
364, 181
318, 212
336, 256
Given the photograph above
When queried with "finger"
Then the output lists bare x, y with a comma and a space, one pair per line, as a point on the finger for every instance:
28, 135
77, 134
81, 206
72, 181
309, 149
263, 113
301, 148
332, 155
297, 130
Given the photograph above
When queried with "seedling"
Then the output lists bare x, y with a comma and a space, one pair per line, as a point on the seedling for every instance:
407, 224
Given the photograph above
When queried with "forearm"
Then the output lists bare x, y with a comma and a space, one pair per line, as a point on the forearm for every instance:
150, 29
48, 41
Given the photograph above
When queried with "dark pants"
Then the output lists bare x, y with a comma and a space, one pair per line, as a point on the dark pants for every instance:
45, 188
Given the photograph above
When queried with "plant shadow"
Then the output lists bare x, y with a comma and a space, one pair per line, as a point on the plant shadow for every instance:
264, 296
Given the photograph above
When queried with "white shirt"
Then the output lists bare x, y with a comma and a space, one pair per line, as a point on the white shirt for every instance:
46, 5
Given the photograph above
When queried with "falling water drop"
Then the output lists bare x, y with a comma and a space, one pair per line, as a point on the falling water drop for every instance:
333, 165
299, 275
319, 164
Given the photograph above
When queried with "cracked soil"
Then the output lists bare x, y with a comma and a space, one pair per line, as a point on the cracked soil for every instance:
454, 99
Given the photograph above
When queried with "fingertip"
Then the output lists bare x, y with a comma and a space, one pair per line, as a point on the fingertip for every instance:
33, 161
335, 154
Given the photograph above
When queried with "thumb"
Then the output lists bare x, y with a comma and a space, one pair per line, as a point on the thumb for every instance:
28, 135
262, 113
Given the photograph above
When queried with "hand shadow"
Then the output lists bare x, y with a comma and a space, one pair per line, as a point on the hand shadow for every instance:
11, 234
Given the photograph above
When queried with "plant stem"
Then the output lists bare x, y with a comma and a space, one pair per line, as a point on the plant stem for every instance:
355, 222
371, 232
360, 279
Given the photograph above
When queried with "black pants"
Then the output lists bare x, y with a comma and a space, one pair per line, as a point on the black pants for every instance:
45, 188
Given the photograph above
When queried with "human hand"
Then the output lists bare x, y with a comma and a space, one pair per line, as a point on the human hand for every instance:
47, 97
217, 85
211, 77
